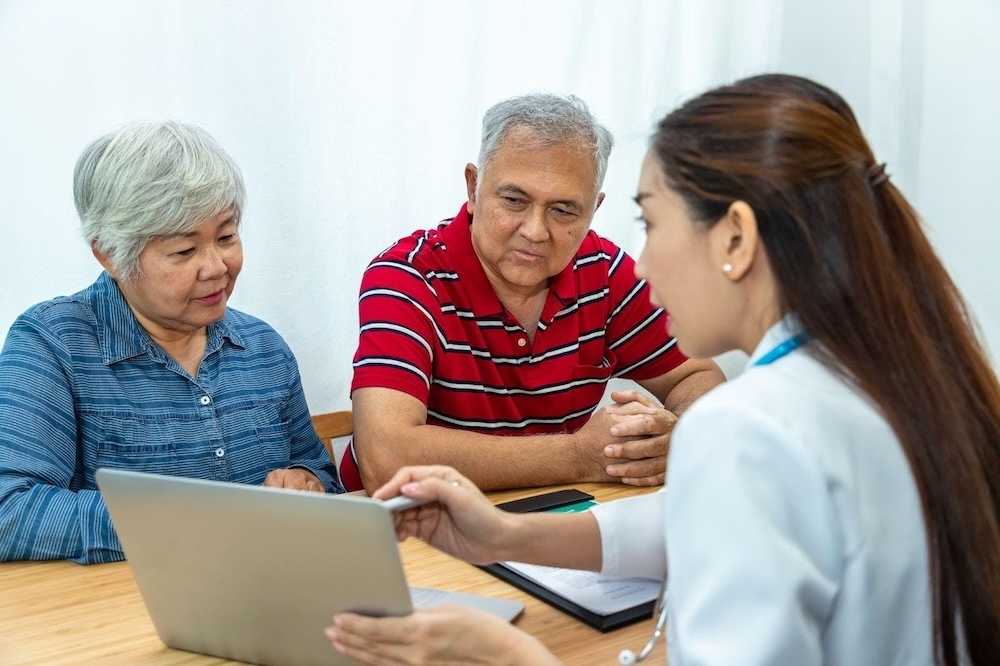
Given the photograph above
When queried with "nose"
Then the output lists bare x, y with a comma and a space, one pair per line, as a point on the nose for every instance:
535, 228
213, 265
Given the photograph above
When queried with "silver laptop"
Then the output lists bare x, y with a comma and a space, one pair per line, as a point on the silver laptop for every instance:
255, 574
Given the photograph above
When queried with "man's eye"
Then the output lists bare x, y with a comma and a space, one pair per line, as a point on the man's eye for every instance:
228, 238
513, 201
561, 212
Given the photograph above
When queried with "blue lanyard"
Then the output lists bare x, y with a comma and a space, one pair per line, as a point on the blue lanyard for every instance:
784, 349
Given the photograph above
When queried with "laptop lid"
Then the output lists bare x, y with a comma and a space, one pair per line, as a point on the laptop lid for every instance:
253, 573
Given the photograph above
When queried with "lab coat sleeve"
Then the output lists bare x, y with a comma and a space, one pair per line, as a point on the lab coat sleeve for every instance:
753, 541
632, 542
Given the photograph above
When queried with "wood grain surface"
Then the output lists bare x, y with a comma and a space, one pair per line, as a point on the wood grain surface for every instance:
64, 613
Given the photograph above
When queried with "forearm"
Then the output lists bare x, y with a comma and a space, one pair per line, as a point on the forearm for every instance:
491, 462
306, 449
568, 540
40, 522
705, 376
320, 465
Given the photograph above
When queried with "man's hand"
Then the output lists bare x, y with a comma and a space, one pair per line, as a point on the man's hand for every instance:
295, 478
647, 429
628, 441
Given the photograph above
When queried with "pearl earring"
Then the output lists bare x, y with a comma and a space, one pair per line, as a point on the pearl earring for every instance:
726, 268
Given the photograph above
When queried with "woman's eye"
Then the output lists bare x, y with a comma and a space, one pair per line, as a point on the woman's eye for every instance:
185, 253
227, 238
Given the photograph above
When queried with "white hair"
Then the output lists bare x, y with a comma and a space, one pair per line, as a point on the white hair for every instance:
149, 179
550, 119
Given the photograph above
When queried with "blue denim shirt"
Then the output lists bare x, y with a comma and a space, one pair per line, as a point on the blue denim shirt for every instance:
82, 386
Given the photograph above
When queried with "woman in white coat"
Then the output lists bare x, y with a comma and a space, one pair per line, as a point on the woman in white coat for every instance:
839, 502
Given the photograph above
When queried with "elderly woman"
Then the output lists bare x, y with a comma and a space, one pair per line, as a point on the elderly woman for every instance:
147, 369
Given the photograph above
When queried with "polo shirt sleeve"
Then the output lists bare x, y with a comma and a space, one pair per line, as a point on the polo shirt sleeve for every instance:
40, 516
398, 335
636, 331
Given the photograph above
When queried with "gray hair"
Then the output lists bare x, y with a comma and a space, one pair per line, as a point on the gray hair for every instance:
149, 179
550, 119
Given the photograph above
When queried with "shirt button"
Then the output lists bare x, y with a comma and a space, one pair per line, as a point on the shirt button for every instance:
521, 342
219, 452
204, 400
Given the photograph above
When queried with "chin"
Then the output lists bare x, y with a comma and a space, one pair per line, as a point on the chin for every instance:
686, 345
527, 279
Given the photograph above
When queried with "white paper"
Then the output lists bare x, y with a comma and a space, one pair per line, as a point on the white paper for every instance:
587, 589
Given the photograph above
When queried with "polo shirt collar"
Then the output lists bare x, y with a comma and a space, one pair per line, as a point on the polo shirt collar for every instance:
457, 236
121, 337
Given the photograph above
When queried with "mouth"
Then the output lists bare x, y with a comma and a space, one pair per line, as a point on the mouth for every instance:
213, 298
528, 256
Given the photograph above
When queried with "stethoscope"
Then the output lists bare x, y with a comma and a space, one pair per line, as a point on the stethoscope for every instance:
627, 657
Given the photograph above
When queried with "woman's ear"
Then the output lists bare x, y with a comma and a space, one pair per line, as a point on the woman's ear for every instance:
104, 260
734, 240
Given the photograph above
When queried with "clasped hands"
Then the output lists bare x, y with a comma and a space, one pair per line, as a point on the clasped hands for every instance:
628, 440
295, 478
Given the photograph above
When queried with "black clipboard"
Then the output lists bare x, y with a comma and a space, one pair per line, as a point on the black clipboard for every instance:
603, 623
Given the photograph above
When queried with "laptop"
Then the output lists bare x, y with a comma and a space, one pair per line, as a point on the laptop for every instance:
255, 574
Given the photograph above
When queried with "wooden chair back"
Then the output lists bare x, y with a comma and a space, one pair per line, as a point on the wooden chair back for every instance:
332, 425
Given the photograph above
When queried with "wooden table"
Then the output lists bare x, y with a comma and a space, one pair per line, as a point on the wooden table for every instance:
65, 613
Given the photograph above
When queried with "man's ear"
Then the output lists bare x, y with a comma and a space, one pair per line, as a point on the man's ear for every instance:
600, 200
471, 176
735, 239
104, 260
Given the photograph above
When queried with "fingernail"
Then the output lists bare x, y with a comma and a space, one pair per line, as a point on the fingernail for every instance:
612, 470
330, 632
610, 450
410, 487
615, 430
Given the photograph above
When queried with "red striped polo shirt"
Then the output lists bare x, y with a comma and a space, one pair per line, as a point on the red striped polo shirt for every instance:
432, 327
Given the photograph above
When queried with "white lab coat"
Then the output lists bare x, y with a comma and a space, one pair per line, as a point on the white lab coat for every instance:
792, 526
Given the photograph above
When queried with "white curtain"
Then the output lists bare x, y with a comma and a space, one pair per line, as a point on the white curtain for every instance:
353, 121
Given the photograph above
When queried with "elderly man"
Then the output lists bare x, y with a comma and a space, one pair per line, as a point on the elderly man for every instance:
486, 343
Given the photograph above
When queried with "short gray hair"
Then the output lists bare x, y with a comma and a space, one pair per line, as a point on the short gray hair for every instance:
149, 179
550, 119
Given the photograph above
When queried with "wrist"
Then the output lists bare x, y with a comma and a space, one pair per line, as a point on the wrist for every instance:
588, 457
523, 649
513, 534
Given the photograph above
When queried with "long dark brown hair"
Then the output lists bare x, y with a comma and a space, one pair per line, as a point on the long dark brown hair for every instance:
851, 260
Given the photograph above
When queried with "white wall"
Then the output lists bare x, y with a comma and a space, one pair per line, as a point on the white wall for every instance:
353, 120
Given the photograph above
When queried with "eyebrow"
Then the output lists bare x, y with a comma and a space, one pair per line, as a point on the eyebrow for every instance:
514, 189
639, 197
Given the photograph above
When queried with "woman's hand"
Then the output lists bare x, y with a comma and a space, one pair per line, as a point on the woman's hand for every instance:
441, 635
457, 517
